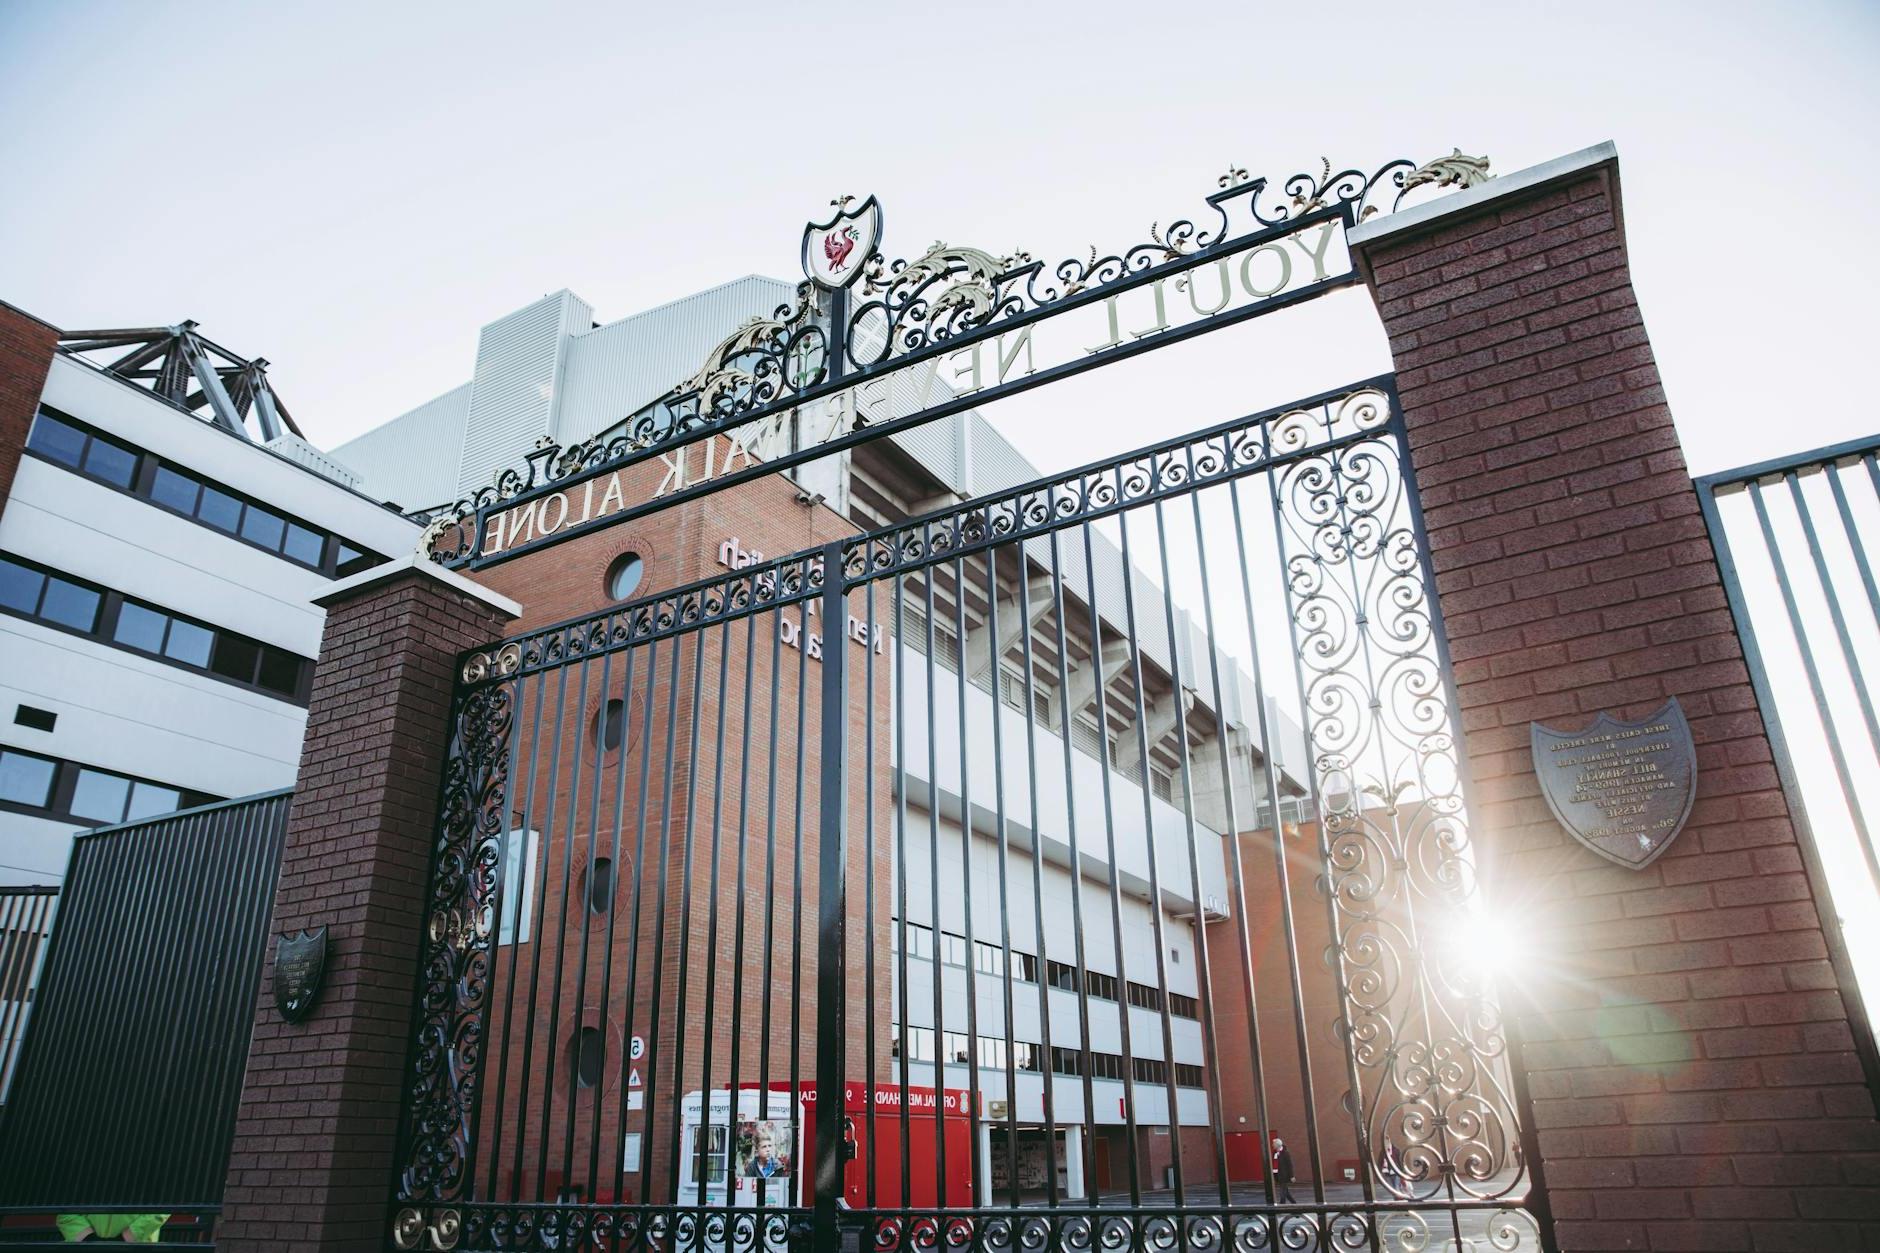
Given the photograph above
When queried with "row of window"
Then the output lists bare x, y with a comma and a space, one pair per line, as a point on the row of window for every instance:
990, 959
49, 787
62, 439
33, 591
916, 1044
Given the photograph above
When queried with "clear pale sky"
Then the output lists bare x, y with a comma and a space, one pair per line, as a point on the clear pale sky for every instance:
352, 190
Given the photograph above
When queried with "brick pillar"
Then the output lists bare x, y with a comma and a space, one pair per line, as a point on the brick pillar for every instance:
26, 348
1693, 1075
311, 1164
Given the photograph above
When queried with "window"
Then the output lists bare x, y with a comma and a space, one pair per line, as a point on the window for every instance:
952, 949
918, 1042
26, 778
1188, 1076
1106, 1066
1183, 1006
955, 1047
68, 442
1103, 986
140, 627
991, 1052
1149, 1070
586, 1056
175, 490
624, 575
57, 441
1027, 1056
517, 908
1071, 1062
600, 887
49, 787
1142, 996
1061, 975
989, 959
714, 1153
610, 725
919, 938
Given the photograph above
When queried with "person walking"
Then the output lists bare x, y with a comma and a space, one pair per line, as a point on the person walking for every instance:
1283, 1170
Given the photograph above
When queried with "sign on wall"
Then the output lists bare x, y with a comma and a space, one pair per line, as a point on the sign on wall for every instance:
1623, 789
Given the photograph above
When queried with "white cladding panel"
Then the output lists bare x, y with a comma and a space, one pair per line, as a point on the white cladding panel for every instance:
33, 850
86, 529
139, 418
512, 395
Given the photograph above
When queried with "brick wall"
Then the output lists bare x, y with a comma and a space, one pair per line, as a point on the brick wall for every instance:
26, 348
311, 1163
1689, 1057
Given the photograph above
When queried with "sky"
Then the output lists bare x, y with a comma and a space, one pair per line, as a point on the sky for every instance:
352, 190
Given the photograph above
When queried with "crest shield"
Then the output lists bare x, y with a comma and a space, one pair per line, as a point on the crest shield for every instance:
299, 970
1623, 789
835, 252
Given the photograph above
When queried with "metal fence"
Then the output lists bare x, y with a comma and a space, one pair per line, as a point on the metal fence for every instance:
127, 1082
1795, 538
763, 915
26, 915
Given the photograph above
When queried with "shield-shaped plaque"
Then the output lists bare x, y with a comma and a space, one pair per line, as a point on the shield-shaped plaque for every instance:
835, 251
1623, 789
299, 970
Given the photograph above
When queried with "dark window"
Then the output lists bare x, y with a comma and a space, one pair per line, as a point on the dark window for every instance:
303, 545
20, 587
1188, 1076
235, 658
54, 439
589, 1056
600, 885
1183, 1006
69, 604
189, 643
219, 509
111, 462
1062, 975
610, 725
353, 560
141, 628
26, 779
1149, 1070
1102, 985
176, 490
1142, 996
99, 796
280, 671
263, 527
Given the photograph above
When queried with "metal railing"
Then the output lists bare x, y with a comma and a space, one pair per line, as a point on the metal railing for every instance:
26, 915
1795, 538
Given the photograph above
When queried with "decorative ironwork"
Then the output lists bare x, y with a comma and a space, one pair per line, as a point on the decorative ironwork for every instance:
948, 297
1176, 467
454, 971
1425, 1038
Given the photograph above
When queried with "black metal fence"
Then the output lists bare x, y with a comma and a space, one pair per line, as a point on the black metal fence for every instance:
1008, 877
126, 1086
26, 915
1795, 538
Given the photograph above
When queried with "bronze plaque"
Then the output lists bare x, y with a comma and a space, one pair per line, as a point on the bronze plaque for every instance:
299, 970
1623, 789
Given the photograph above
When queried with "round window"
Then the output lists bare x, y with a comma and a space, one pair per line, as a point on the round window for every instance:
610, 725
588, 1055
623, 576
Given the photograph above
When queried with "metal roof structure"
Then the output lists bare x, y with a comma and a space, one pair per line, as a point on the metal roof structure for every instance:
191, 372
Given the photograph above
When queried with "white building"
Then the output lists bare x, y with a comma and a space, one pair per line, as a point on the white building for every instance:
157, 563
550, 370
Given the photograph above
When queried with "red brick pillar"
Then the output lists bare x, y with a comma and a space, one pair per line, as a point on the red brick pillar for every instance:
311, 1165
26, 348
1693, 1074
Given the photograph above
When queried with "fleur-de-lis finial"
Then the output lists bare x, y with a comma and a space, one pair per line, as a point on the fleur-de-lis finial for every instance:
1235, 176
843, 201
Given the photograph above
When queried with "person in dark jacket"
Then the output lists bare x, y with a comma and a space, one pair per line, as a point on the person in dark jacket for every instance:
1283, 1170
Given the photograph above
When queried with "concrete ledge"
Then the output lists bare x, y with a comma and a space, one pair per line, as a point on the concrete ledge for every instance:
1439, 212
423, 567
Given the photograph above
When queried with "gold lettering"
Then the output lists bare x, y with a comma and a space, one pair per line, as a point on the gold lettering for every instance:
1116, 334
1317, 254
1227, 290
1285, 271
1006, 359
1161, 312
971, 368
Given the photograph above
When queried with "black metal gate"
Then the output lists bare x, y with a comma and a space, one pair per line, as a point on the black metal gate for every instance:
1005, 878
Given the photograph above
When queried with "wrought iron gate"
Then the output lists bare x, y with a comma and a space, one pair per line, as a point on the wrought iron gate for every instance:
1005, 878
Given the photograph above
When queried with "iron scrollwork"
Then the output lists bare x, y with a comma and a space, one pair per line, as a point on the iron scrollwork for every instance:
815, 343
1423, 1033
